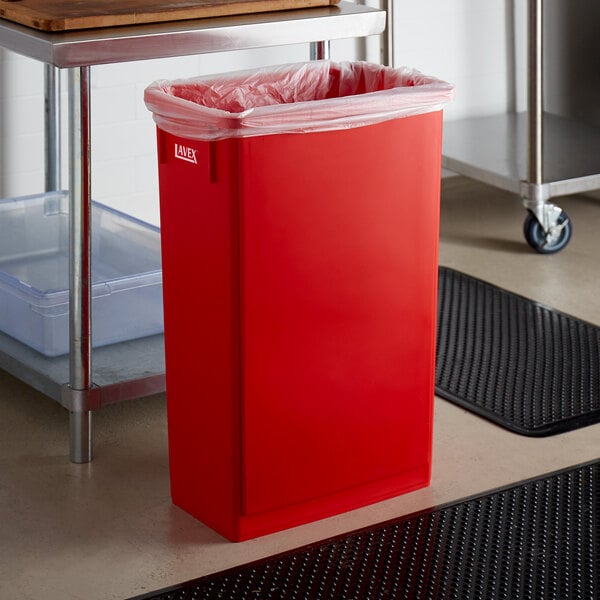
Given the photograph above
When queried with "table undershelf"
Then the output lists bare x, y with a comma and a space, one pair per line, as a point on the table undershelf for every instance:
124, 371
493, 149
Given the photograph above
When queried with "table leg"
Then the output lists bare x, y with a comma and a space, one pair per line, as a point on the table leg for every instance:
80, 341
320, 50
52, 127
387, 45
535, 95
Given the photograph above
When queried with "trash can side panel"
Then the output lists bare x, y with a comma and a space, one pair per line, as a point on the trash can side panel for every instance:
339, 264
198, 189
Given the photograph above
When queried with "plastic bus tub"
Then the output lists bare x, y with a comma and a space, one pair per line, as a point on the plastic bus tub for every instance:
34, 274
302, 383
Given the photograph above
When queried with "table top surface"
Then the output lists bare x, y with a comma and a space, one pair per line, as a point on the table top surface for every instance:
108, 45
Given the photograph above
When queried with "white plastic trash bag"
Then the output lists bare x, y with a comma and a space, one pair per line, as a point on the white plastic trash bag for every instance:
296, 98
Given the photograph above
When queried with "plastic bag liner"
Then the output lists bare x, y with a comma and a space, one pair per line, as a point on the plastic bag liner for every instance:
296, 98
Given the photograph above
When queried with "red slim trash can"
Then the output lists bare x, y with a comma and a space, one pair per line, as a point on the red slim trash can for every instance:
299, 256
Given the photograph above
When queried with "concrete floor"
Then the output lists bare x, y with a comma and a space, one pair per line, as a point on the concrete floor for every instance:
108, 530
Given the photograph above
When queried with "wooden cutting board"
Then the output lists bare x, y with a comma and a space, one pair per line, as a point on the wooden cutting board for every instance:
66, 15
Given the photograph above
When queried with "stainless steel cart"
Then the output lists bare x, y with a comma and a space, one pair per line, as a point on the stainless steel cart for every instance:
525, 153
132, 369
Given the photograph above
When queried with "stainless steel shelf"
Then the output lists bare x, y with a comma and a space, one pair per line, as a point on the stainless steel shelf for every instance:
123, 371
494, 150
199, 36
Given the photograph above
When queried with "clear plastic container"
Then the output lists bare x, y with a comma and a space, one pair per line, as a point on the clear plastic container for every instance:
34, 274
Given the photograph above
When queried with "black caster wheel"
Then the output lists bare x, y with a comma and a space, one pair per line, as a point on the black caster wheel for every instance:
547, 243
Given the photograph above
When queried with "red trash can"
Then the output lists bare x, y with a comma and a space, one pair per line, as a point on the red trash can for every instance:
299, 221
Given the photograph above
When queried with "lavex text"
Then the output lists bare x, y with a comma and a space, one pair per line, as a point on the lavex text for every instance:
185, 153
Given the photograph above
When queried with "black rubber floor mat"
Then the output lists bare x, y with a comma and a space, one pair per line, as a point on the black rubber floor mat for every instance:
536, 540
523, 365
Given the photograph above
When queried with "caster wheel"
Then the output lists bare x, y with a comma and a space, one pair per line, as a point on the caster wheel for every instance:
551, 242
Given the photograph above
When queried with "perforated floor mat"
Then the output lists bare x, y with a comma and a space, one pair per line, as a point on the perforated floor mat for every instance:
537, 540
523, 365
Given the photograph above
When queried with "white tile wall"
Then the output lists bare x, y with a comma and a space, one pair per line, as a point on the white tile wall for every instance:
463, 41
22, 120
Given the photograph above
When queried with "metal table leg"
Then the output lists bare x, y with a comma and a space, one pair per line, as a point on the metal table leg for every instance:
536, 194
387, 45
52, 127
80, 342
320, 50
547, 228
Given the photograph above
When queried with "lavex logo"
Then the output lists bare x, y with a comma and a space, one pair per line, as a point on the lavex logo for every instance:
185, 153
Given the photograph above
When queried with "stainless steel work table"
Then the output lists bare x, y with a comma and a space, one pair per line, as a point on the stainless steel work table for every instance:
136, 368
535, 154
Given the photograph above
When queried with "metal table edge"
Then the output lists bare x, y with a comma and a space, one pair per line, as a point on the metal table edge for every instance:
199, 36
